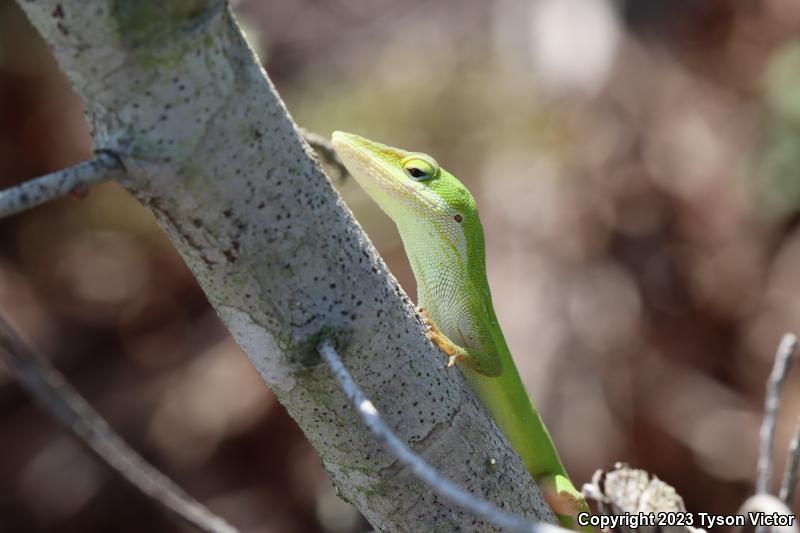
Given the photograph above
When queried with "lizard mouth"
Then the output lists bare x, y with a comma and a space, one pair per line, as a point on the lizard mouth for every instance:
375, 167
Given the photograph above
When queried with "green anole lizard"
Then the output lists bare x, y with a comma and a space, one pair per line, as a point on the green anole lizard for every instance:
438, 222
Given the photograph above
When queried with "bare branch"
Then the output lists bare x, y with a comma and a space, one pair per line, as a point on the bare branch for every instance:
324, 148
64, 403
783, 359
789, 483
442, 486
51, 186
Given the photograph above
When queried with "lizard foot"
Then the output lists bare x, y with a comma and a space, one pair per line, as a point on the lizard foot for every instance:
438, 338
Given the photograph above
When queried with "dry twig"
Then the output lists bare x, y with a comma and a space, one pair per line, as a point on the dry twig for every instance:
789, 482
783, 359
65, 404
51, 186
324, 148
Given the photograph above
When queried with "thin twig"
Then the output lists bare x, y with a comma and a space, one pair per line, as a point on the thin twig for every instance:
326, 152
783, 360
442, 486
51, 186
65, 404
789, 482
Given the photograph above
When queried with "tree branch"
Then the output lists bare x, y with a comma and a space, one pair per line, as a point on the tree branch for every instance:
51, 186
783, 360
442, 486
173, 90
65, 404
106, 167
789, 482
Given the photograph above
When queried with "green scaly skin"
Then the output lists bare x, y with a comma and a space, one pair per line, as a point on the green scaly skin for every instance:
438, 222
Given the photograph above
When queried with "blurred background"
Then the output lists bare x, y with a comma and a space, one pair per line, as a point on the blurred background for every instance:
636, 166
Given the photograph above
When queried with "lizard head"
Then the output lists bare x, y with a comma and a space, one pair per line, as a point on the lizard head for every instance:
412, 189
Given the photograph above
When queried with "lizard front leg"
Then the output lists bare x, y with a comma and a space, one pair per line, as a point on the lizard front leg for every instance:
477, 360
435, 335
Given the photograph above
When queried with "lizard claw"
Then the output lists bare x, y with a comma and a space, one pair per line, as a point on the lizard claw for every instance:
426, 318
438, 338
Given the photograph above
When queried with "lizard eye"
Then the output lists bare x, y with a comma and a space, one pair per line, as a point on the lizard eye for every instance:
420, 167
416, 172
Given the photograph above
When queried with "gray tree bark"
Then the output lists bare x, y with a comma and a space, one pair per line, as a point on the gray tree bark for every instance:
174, 91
